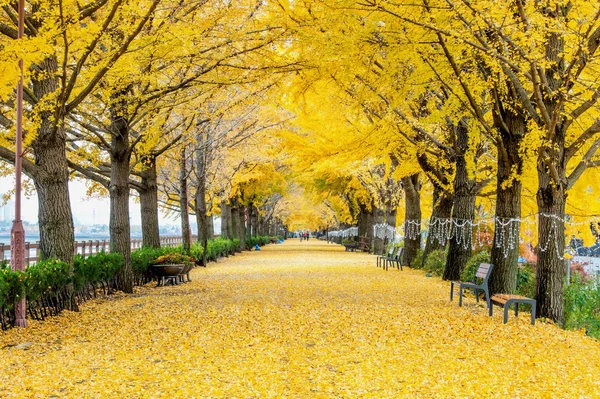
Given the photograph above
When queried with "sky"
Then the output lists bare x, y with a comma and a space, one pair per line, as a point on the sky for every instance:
85, 210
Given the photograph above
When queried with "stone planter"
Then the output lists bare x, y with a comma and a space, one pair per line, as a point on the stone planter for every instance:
186, 272
167, 273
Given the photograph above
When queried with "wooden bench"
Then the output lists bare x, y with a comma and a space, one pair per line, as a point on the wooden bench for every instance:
483, 273
505, 300
396, 259
350, 246
364, 244
382, 258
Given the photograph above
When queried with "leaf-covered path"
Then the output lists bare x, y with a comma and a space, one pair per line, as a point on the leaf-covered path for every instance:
298, 320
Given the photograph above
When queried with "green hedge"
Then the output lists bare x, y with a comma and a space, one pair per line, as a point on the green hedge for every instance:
260, 240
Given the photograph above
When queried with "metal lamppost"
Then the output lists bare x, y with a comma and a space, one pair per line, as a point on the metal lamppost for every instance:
17, 234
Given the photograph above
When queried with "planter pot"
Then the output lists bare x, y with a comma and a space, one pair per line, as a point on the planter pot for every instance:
186, 272
167, 273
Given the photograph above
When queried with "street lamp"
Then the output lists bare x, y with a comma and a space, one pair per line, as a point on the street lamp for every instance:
17, 234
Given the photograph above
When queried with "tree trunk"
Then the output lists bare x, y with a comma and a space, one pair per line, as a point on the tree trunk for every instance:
225, 220
242, 226
412, 217
551, 200
442, 210
365, 221
149, 206
120, 233
249, 221
390, 218
379, 242
235, 221
54, 207
183, 204
463, 213
55, 217
505, 250
200, 199
254, 221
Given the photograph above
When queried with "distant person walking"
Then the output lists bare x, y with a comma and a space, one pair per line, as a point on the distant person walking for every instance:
301, 236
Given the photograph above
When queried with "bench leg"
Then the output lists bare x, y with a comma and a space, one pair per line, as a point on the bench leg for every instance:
533, 304
491, 309
516, 309
451, 290
506, 307
487, 298
460, 295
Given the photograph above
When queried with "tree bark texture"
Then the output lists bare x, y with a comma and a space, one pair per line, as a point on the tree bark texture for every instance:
184, 210
55, 217
505, 249
552, 191
463, 212
235, 221
119, 225
211, 227
442, 209
200, 199
254, 221
149, 206
550, 268
412, 217
365, 220
225, 220
242, 226
390, 218
379, 243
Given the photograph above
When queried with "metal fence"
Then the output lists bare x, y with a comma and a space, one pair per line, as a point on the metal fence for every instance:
85, 248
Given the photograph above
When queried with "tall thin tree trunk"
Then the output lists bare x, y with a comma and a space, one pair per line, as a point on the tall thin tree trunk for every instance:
119, 225
550, 268
242, 226
390, 218
184, 210
225, 220
149, 206
463, 213
412, 217
254, 221
379, 242
200, 199
505, 250
211, 227
235, 221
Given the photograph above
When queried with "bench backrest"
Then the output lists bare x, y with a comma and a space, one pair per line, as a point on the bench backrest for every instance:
399, 254
484, 270
391, 251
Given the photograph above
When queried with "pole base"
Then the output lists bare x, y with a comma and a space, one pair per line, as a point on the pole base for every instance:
17, 262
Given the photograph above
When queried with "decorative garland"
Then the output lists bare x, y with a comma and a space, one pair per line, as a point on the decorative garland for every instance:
469, 233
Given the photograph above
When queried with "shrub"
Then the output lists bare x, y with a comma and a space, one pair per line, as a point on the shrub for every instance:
526, 280
582, 307
12, 286
47, 277
435, 263
196, 251
418, 260
142, 258
173, 259
468, 273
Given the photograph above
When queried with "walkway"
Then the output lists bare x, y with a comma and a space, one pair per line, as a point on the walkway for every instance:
297, 320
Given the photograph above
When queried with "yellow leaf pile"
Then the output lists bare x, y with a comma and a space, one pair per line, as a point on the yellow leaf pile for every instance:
298, 320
